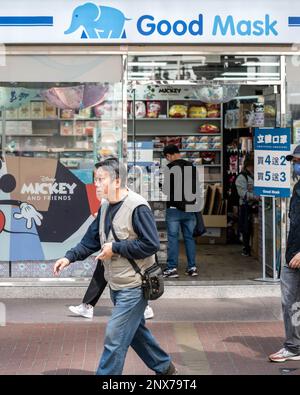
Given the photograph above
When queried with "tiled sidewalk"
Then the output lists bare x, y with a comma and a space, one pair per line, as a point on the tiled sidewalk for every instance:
197, 346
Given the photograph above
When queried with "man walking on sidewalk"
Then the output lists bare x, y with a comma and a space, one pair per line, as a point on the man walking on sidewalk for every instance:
290, 275
129, 215
98, 282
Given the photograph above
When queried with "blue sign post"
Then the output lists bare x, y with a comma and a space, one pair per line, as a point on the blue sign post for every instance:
271, 179
272, 171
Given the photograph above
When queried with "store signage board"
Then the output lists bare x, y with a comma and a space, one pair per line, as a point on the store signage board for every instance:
144, 153
272, 170
163, 92
138, 21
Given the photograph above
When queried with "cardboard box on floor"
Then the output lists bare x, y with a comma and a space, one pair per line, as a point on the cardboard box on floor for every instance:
214, 217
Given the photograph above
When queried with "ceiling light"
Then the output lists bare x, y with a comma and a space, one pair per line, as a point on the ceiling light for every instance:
252, 73
261, 64
152, 64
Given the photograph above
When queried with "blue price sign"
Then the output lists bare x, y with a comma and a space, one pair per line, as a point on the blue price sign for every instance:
272, 170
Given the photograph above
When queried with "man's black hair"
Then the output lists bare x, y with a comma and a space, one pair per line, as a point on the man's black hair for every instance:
171, 150
115, 168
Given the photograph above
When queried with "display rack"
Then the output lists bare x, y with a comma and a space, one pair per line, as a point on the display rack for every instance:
183, 132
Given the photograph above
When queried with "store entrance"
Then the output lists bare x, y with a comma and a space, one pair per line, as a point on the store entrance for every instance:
216, 135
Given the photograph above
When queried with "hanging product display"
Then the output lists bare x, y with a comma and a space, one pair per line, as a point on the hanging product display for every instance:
216, 93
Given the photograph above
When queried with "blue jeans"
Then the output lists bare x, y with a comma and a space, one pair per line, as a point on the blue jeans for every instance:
187, 221
125, 328
290, 299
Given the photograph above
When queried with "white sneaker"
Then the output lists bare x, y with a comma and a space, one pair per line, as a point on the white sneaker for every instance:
284, 355
148, 313
85, 310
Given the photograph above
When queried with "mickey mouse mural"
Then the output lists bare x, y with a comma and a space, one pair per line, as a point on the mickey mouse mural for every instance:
44, 208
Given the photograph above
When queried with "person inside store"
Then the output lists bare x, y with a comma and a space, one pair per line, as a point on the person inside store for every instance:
290, 274
248, 203
128, 216
180, 213
98, 283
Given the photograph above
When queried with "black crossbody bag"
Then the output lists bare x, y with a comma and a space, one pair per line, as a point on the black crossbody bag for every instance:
152, 278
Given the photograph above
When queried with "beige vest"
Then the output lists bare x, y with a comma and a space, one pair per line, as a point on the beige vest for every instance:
118, 271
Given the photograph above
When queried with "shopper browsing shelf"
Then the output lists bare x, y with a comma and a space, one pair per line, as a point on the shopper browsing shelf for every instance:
179, 184
248, 203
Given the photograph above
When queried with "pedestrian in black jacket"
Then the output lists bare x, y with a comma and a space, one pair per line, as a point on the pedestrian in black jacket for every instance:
290, 275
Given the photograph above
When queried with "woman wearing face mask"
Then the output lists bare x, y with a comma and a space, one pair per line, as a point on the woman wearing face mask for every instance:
248, 203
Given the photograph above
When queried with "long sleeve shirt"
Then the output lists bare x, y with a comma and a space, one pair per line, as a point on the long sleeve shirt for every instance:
244, 185
144, 226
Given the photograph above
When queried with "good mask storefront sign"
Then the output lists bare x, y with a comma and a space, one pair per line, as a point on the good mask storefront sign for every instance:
138, 21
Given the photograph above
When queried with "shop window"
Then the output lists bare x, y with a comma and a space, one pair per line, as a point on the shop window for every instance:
59, 115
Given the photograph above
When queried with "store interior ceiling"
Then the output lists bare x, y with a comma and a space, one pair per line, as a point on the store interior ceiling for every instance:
217, 68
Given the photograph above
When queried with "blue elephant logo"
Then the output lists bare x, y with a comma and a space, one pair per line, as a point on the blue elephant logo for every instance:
98, 21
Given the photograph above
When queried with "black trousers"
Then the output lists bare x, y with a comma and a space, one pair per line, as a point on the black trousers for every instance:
96, 286
246, 225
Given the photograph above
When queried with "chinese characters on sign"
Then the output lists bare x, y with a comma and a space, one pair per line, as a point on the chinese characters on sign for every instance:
272, 171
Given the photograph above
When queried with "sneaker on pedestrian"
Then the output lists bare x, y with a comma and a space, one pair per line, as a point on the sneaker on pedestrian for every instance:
284, 355
84, 310
170, 273
192, 272
148, 313
171, 371
245, 252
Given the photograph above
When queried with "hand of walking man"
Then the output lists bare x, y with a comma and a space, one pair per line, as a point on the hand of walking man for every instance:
106, 252
295, 262
60, 264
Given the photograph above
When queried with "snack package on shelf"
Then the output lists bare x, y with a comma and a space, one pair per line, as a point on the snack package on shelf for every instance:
175, 141
66, 128
153, 109
50, 111
197, 112
208, 158
209, 128
37, 109
213, 110
140, 109
190, 139
24, 111
85, 113
90, 127
79, 128
67, 114
159, 142
178, 111
11, 114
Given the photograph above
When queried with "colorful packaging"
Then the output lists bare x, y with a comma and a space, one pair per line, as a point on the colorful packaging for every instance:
197, 112
153, 109
178, 111
67, 114
66, 128
37, 109
140, 109
209, 128
24, 111
50, 111
174, 140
